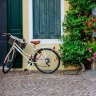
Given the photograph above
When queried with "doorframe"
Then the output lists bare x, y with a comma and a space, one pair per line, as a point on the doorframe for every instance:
30, 16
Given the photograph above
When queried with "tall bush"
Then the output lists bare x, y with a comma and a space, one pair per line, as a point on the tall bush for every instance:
78, 25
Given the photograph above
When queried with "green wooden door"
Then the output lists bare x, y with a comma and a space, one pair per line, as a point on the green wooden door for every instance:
15, 24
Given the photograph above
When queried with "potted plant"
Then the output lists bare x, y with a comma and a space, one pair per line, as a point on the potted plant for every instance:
90, 55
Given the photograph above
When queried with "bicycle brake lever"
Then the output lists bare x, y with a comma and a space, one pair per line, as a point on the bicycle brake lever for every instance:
6, 34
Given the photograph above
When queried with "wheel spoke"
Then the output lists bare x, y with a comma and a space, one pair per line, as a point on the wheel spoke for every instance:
49, 61
9, 60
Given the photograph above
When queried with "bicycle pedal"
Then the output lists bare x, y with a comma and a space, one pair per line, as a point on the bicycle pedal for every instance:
25, 69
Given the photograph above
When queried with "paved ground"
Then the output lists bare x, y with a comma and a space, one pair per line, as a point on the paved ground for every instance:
38, 84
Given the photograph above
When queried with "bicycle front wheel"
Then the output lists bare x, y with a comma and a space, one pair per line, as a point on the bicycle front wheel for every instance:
47, 60
9, 61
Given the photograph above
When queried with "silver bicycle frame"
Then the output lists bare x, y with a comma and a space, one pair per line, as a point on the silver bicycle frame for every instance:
23, 53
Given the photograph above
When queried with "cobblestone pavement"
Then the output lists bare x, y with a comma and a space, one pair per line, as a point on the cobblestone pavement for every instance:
39, 84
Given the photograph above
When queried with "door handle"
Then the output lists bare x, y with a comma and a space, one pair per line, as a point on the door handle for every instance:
4, 34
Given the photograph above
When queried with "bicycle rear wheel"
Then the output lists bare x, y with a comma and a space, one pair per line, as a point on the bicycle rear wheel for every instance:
47, 60
9, 61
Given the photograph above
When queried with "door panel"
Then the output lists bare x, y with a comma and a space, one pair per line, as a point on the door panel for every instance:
3, 28
15, 24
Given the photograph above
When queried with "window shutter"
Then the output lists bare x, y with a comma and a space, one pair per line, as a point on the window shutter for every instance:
46, 19
15, 24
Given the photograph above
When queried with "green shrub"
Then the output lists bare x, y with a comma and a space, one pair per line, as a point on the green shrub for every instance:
79, 30
72, 52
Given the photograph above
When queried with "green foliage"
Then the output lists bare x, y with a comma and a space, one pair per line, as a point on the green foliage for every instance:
79, 30
90, 48
72, 52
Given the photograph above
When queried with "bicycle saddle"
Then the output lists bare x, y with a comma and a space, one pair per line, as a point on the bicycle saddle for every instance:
35, 42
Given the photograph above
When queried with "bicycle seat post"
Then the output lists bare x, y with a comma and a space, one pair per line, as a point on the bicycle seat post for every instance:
34, 46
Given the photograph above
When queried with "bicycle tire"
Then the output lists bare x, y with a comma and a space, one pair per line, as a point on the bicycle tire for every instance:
54, 57
9, 61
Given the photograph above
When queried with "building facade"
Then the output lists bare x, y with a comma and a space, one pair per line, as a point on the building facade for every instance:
33, 20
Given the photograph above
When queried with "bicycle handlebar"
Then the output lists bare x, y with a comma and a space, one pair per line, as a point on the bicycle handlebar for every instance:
14, 37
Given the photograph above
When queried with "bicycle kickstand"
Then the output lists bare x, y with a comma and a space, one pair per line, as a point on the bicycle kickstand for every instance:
28, 68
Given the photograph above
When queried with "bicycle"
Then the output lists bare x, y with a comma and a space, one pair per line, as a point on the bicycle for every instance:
46, 60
